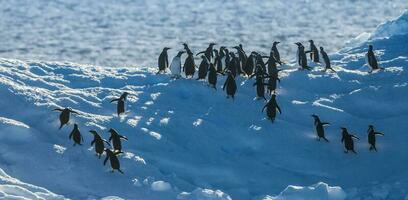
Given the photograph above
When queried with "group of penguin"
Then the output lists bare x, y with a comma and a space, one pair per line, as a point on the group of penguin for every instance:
232, 64
98, 142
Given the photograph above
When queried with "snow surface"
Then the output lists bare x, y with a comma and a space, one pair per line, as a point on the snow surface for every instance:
187, 141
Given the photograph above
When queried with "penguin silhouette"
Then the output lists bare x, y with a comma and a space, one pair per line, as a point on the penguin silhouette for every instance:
271, 63
65, 115
163, 60
175, 66
208, 53
302, 60
272, 82
230, 85
212, 76
372, 59
271, 108
99, 143
76, 135
115, 138
114, 161
233, 64
189, 66
314, 53
260, 86
371, 137
347, 139
220, 60
275, 52
121, 103
320, 127
203, 68
326, 60
260, 64
242, 58
250, 64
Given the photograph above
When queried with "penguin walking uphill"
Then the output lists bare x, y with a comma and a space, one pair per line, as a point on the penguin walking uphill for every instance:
372, 59
326, 60
320, 127
65, 115
189, 64
230, 85
260, 85
114, 161
371, 137
121, 103
163, 61
271, 108
99, 143
76, 135
175, 66
302, 59
212, 77
203, 68
116, 139
347, 139
314, 53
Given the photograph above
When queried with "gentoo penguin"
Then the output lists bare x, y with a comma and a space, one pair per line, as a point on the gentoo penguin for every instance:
275, 52
250, 64
326, 60
209, 54
203, 68
314, 53
271, 108
302, 60
348, 140
272, 82
175, 66
121, 103
76, 135
98, 141
230, 85
189, 66
371, 137
372, 59
185, 45
320, 127
116, 139
271, 63
260, 86
163, 60
233, 64
220, 62
65, 115
114, 161
212, 76
242, 57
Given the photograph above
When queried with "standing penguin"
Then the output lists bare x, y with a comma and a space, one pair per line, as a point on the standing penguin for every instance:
320, 127
314, 53
163, 60
189, 66
260, 86
272, 82
275, 52
65, 115
121, 103
114, 161
371, 137
372, 59
230, 85
175, 66
116, 139
209, 54
347, 139
242, 57
326, 60
212, 77
271, 108
99, 143
233, 64
302, 59
250, 64
76, 135
203, 68
220, 61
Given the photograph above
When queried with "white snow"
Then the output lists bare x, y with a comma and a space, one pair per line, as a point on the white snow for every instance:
160, 186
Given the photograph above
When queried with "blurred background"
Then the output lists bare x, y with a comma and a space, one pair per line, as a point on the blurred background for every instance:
133, 33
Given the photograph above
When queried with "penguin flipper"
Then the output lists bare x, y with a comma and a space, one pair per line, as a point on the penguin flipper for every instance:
106, 160
57, 109
113, 100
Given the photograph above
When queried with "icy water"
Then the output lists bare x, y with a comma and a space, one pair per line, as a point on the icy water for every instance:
123, 33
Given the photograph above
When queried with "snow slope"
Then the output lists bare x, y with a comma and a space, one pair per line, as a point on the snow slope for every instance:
187, 141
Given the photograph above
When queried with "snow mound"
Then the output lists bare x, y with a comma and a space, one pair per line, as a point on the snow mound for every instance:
397, 26
204, 194
319, 191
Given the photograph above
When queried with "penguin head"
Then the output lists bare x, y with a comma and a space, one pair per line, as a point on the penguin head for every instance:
212, 44
166, 48
314, 116
240, 46
321, 49
370, 47
75, 125
371, 126
343, 129
93, 132
125, 94
276, 43
112, 131
311, 41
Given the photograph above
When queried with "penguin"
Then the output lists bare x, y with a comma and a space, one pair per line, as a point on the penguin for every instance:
371, 137
271, 108
260, 86
216, 57
230, 85
326, 60
250, 64
242, 57
302, 60
275, 52
260, 64
65, 115
189, 66
76, 135
203, 68
372, 59
114, 161
99, 143
188, 50
163, 60
212, 76
314, 53
272, 82
175, 66
121, 103
347, 139
209, 54
116, 139
233, 64
271, 63
226, 60
220, 62
320, 127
